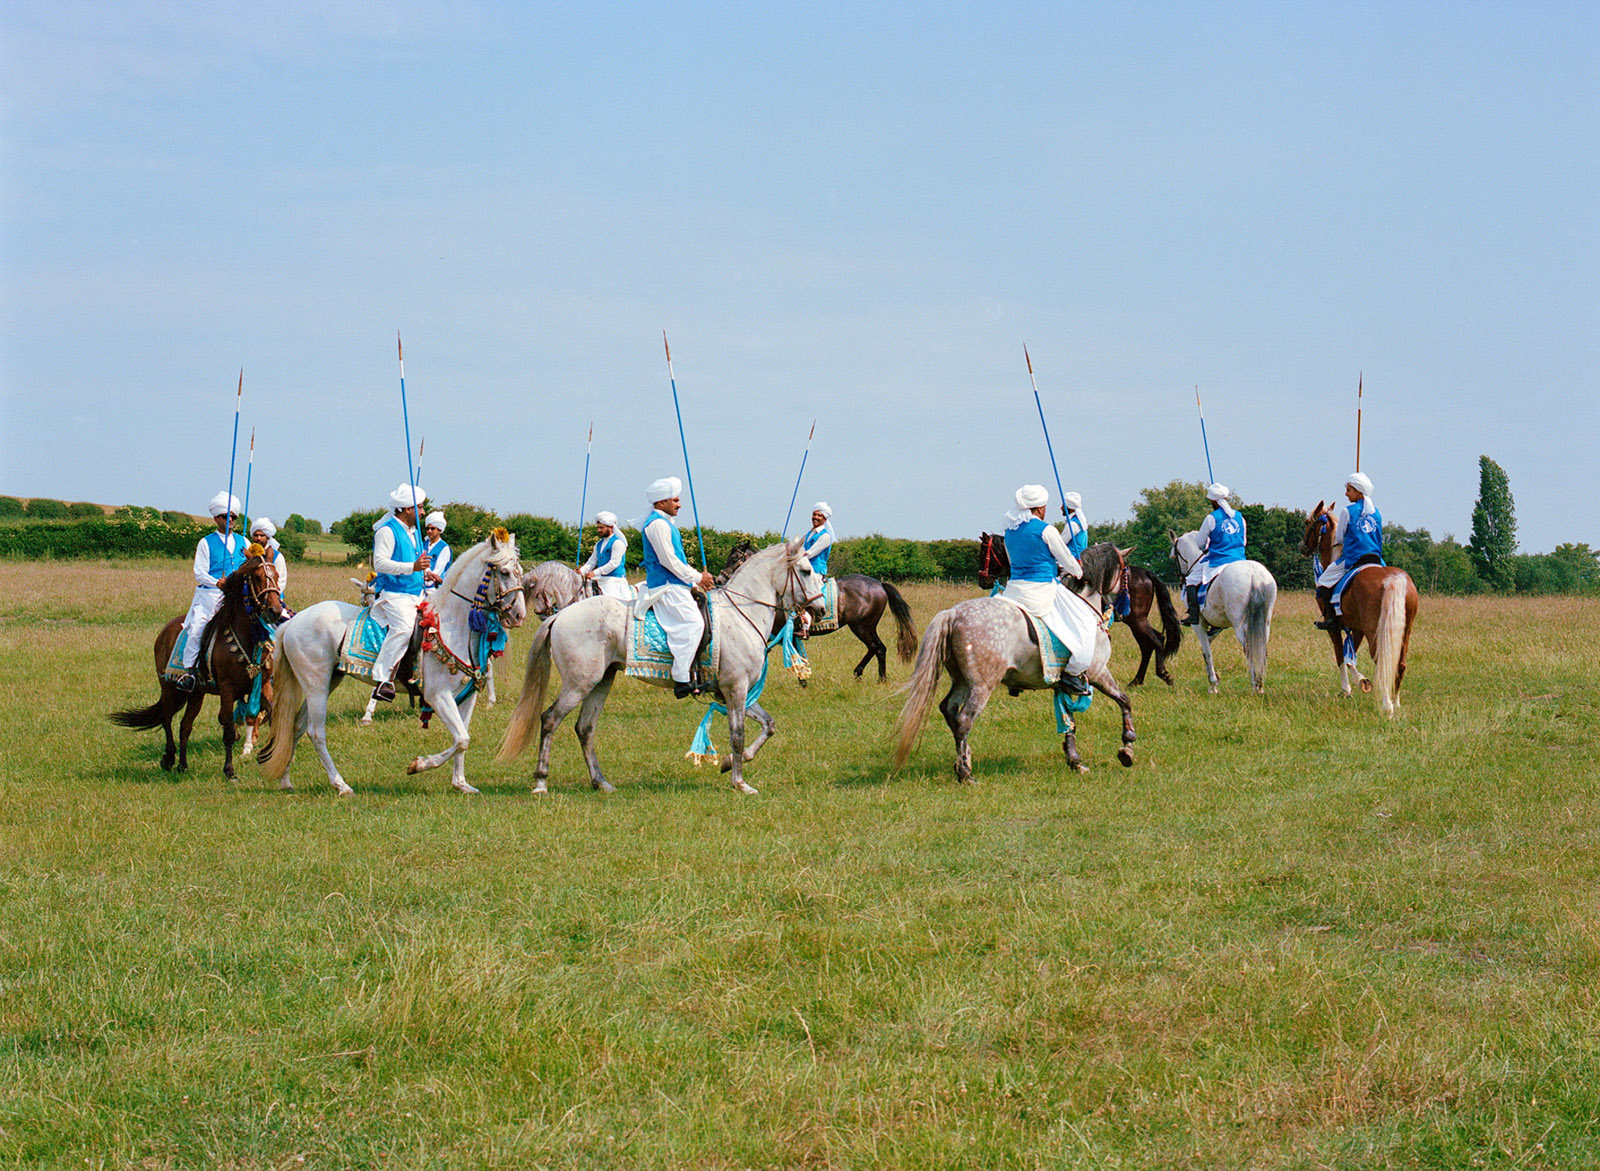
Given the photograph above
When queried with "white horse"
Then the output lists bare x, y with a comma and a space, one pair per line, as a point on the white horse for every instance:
486, 578
552, 586
988, 643
588, 643
1241, 595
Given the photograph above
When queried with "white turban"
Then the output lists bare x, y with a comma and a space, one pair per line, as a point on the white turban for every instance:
1219, 494
609, 519
664, 489
1361, 484
435, 521
407, 496
822, 507
1074, 501
223, 503
1032, 496
264, 525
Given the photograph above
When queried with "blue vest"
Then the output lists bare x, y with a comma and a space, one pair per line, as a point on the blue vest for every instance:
1079, 540
223, 560
820, 561
1363, 534
405, 549
1227, 538
602, 554
1031, 559
655, 574
435, 551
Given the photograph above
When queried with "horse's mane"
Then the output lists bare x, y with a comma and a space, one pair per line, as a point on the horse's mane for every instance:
1100, 562
761, 561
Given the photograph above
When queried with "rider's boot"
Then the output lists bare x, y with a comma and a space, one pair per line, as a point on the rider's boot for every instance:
384, 692
186, 682
683, 690
1070, 684
1191, 598
1329, 621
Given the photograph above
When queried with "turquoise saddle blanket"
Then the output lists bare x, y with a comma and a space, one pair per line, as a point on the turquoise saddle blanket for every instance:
649, 657
362, 641
830, 608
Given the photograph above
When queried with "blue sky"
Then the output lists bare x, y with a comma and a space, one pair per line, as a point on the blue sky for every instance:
857, 214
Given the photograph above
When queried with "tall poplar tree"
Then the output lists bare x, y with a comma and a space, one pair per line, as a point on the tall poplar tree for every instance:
1494, 526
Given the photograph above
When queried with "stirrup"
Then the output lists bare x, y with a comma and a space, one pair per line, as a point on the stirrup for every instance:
383, 692
1328, 624
683, 690
1073, 685
186, 682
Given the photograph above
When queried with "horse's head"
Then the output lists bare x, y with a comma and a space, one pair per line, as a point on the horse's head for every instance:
503, 573
802, 585
1105, 568
1318, 525
993, 561
255, 583
1185, 550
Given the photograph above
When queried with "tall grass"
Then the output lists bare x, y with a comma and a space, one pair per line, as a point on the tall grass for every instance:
1295, 934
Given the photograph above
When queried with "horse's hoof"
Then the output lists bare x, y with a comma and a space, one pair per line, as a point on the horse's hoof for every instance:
1125, 756
602, 786
365, 722
804, 682
463, 787
414, 767
541, 790
747, 790
1366, 687
286, 785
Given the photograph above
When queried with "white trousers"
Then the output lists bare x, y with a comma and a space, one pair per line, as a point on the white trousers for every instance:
1064, 614
616, 587
207, 600
680, 620
397, 612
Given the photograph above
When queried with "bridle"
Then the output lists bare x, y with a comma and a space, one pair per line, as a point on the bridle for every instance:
793, 587
486, 630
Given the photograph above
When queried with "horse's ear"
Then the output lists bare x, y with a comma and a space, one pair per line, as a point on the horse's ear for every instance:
794, 545
1121, 552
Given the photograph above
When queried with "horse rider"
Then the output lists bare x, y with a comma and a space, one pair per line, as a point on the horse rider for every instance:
817, 547
1221, 542
1357, 541
399, 560
1039, 555
216, 555
668, 578
264, 533
607, 562
439, 555
1076, 527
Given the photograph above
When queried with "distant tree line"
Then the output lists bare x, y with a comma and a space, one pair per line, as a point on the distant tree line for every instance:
1487, 563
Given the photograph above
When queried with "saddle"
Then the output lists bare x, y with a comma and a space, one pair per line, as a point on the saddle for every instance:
703, 651
358, 650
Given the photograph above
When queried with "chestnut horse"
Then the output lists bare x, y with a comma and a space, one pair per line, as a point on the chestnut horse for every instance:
251, 605
1141, 588
1378, 604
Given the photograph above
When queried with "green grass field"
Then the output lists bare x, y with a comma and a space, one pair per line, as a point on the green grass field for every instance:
1294, 934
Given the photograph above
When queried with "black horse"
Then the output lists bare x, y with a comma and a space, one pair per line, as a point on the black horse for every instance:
861, 602
1143, 590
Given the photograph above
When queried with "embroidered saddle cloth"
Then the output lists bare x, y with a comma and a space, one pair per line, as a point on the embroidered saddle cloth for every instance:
362, 641
649, 657
830, 608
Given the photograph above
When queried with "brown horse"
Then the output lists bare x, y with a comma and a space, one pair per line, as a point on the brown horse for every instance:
251, 604
1379, 605
1141, 588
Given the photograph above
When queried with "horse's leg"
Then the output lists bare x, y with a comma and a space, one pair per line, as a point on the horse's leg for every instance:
455, 720
171, 700
190, 711
736, 748
314, 720
588, 719
1138, 623
768, 727
569, 698
1205, 653
1100, 676
961, 707
366, 716
230, 732
876, 648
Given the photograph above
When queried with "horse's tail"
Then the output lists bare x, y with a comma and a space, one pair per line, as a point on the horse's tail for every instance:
1258, 606
1171, 627
288, 696
906, 642
924, 682
1391, 636
138, 717
535, 682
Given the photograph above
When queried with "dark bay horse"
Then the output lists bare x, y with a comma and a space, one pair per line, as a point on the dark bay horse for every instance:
861, 601
1143, 590
251, 605
1379, 605
988, 643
